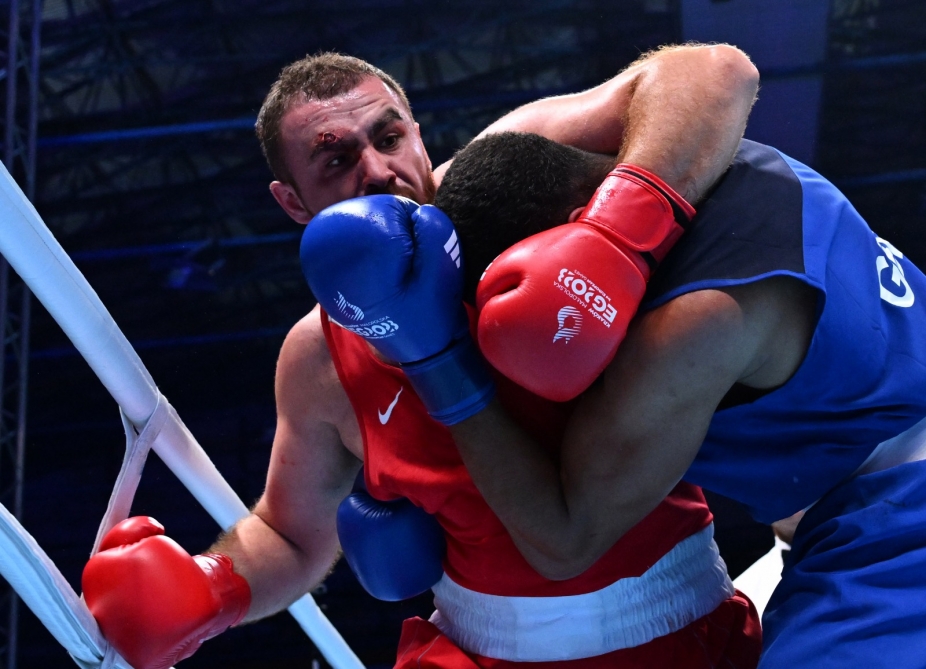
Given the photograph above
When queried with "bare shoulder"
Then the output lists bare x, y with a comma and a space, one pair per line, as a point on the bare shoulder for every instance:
756, 334
305, 344
782, 315
306, 379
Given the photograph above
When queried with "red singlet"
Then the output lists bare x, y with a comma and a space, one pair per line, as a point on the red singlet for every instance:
408, 454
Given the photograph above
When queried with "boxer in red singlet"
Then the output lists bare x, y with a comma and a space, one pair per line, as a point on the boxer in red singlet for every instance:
685, 613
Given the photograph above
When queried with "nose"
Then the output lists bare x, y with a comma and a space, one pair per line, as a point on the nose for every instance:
377, 174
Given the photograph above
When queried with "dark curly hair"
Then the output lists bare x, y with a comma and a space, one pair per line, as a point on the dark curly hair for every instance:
505, 187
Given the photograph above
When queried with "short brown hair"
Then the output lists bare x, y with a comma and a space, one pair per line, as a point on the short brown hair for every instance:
319, 77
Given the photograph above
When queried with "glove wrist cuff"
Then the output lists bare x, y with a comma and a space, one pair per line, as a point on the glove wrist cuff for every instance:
639, 212
682, 211
231, 588
454, 384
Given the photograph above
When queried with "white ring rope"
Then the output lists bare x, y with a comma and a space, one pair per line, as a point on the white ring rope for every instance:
34, 577
51, 275
136, 453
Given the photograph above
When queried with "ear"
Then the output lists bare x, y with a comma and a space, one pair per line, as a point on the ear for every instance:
574, 216
287, 197
438, 174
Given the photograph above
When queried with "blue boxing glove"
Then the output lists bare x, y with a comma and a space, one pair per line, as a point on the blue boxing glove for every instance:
395, 549
390, 270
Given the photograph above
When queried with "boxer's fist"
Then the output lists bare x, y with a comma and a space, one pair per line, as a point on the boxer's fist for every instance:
554, 307
154, 602
390, 271
394, 548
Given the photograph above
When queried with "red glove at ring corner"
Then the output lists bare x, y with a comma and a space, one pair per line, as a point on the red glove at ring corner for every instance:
154, 602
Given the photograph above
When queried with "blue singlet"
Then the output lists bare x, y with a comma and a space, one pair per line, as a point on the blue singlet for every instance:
854, 590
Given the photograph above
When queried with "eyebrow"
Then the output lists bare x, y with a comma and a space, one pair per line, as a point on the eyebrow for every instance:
389, 116
328, 142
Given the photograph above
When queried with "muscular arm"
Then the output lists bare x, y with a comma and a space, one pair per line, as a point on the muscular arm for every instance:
289, 542
635, 433
679, 112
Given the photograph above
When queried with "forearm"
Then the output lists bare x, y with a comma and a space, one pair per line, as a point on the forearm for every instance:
687, 114
277, 570
679, 112
554, 522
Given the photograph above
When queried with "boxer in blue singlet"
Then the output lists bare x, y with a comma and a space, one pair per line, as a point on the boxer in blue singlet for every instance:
852, 589
779, 358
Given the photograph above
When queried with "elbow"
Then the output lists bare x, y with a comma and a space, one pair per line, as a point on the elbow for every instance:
565, 551
734, 68
563, 561
722, 72
560, 571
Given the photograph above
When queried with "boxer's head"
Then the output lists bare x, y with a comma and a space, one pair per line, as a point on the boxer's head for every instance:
505, 187
334, 127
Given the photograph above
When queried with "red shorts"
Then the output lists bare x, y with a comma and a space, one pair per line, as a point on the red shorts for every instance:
729, 637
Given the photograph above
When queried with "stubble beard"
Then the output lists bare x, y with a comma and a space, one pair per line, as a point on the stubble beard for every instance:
427, 197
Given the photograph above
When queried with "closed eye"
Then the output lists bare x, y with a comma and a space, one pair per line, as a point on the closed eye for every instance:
340, 160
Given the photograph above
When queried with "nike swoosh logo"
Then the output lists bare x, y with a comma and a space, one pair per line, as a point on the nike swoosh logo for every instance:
384, 417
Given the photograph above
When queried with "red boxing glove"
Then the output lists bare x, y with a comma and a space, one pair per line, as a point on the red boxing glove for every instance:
154, 602
554, 307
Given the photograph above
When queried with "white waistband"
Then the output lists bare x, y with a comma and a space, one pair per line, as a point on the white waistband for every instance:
687, 583
908, 446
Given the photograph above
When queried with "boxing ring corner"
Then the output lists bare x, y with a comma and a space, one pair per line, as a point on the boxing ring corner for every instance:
150, 423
